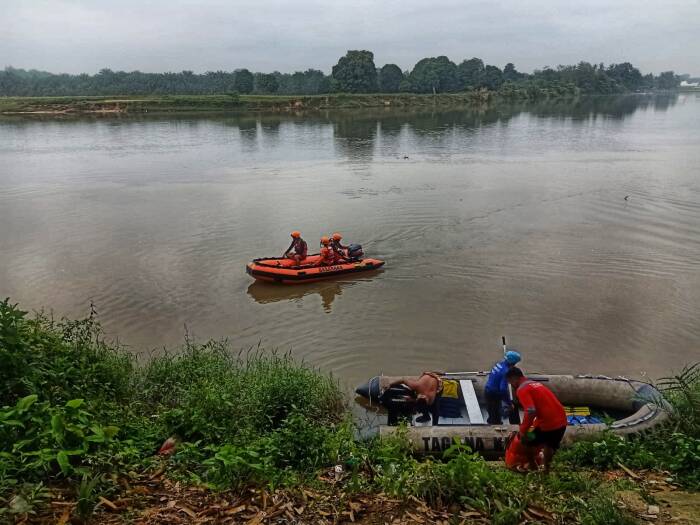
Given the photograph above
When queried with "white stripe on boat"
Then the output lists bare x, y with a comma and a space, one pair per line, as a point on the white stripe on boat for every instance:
472, 404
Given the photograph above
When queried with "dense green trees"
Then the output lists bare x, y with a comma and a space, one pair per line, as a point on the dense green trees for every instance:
471, 72
435, 75
265, 83
667, 80
625, 74
309, 82
492, 78
510, 74
616, 78
354, 73
589, 78
389, 78
243, 81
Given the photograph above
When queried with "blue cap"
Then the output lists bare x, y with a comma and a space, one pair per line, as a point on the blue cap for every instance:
513, 357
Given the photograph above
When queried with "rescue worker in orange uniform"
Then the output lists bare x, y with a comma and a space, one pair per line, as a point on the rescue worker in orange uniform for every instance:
327, 255
340, 250
298, 250
543, 412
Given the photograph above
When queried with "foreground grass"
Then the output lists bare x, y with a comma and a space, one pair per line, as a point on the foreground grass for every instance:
82, 420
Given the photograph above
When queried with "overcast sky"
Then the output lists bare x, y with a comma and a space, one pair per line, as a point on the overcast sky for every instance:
171, 35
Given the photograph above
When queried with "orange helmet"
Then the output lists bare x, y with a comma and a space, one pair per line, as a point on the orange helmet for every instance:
325, 240
296, 234
337, 236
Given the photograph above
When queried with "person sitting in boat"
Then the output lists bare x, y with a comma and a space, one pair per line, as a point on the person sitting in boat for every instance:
496, 390
339, 251
298, 250
337, 246
427, 388
545, 420
329, 256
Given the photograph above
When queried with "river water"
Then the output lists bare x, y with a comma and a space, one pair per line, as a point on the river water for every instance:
508, 221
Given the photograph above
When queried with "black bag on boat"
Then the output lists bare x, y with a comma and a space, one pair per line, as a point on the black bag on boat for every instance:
400, 403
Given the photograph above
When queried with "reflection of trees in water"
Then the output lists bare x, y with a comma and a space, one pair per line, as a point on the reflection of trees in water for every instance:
390, 127
664, 101
270, 130
264, 293
607, 106
355, 132
355, 136
248, 131
270, 126
251, 128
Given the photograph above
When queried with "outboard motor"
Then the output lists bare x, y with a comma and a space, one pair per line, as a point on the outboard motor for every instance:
399, 401
355, 251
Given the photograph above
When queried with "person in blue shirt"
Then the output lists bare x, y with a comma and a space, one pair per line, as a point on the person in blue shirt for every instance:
496, 390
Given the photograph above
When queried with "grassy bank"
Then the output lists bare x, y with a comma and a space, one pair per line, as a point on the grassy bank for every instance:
261, 437
223, 103
249, 103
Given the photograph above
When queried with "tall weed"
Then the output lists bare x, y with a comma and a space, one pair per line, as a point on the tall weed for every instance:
209, 393
59, 360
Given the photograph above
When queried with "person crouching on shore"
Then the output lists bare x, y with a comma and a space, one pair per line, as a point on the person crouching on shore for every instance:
545, 420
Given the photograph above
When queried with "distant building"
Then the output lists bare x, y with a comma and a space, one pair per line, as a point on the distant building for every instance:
685, 83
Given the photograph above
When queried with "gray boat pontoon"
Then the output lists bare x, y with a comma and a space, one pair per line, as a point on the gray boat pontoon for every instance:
624, 406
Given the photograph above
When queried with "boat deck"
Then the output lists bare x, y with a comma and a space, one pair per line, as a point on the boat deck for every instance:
472, 412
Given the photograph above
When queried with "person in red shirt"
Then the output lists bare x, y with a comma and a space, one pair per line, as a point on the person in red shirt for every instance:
543, 411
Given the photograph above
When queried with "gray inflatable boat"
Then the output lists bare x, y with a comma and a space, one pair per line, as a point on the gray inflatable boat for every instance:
619, 405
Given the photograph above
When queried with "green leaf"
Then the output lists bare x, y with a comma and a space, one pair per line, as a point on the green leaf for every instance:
19, 505
75, 403
12, 423
57, 427
76, 452
75, 429
26, 402
64, 462
110, 431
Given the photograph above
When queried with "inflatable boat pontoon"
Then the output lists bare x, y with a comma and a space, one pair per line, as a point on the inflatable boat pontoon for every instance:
624, 407
285, 271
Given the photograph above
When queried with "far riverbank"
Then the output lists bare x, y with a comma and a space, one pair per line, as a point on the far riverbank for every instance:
289, 104
59, 106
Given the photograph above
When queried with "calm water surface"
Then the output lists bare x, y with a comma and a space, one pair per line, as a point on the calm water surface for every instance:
507, 221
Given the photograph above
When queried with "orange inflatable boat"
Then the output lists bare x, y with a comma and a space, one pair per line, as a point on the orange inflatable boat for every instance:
283, 270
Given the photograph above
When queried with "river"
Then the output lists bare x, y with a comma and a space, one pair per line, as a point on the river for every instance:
571, 228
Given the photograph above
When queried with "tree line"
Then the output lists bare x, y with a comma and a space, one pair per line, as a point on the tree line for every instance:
355, 72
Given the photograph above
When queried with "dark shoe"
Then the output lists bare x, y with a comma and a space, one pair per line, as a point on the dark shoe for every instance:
423, 419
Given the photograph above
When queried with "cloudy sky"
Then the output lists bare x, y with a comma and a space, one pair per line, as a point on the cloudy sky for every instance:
171, 35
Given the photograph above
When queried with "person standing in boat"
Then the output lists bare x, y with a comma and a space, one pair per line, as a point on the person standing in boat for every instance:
545, 420
298, 250
496, 390
427, 388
